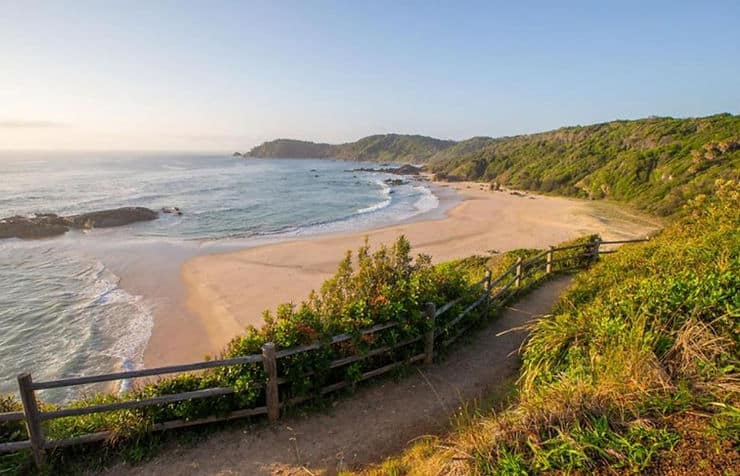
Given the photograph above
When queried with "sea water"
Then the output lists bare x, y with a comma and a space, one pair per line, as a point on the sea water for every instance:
63, 312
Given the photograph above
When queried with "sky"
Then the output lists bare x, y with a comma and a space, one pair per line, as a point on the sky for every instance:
225, 76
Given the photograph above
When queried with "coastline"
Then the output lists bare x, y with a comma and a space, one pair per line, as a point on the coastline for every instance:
226, 291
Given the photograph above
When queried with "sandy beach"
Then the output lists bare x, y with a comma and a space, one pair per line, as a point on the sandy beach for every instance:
226, 292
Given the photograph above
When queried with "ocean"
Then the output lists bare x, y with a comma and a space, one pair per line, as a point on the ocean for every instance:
63, 309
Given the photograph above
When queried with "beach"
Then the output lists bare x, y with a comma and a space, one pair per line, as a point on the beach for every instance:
226, 292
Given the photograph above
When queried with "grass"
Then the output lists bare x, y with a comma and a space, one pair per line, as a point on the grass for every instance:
655, 164
640, 343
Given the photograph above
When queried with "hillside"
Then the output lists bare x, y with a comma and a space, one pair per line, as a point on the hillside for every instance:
634, 371
656, 164
376, 148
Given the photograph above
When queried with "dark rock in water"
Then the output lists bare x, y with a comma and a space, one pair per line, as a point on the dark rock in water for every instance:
111, 218
394, 182
406, 169
28, 228
49, 224
237, 154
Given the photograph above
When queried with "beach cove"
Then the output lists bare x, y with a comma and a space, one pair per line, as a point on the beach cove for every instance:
225, 292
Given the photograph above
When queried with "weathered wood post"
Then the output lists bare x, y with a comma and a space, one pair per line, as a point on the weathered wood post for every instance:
271, 385
519, 272
430, 310
487, 300
550, 252
33, 422
595, 250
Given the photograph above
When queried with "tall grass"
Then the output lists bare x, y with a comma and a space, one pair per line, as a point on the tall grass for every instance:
647, 332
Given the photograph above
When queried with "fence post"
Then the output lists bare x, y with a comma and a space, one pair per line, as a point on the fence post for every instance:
430, 311
487, 300
271, 386
550, 252
519, 272
33, 423
595, 250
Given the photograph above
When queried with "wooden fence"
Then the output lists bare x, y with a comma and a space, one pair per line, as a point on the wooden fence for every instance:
494, 291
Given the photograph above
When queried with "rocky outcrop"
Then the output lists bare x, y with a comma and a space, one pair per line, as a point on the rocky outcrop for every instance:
394, 182
28, 228
49, 224
406, 169
111, 218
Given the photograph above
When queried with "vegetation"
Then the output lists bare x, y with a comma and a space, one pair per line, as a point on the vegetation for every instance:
656, 164
640, 356
377, 148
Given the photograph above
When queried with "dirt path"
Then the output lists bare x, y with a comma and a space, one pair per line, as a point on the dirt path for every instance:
374, 423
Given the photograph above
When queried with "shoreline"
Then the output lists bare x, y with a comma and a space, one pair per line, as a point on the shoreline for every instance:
226, 288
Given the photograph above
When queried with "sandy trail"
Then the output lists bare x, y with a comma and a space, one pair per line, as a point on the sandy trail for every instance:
379, 420
226, 292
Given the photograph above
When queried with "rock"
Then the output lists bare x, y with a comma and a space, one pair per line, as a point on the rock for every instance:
49, 224
29, 228
406, 169
394, 182
237, 154
111, 218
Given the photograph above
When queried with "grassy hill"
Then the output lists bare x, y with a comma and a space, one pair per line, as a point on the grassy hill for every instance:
376, 148
656, 164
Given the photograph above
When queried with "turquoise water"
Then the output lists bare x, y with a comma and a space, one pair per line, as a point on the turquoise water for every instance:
63, 311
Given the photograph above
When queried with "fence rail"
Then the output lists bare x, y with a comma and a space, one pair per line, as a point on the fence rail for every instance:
493, 293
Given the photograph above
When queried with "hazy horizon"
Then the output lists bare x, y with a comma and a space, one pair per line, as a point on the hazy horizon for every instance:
228, 76
231, 151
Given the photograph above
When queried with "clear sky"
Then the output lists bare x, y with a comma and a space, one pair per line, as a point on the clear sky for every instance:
214, 75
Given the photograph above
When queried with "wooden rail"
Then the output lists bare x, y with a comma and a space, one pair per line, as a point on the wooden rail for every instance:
493, 292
